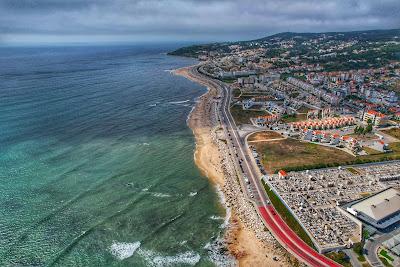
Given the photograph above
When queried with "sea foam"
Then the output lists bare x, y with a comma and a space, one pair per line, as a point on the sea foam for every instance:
122, 250
179, 102
192, 194
155, 259
161, 195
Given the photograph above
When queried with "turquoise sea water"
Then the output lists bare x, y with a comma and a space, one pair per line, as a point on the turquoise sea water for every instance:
96, 160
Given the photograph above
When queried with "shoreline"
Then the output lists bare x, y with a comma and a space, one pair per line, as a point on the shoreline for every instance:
245, 236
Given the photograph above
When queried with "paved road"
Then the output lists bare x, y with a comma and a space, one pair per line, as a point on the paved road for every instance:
353, 258
371, 247
285, 236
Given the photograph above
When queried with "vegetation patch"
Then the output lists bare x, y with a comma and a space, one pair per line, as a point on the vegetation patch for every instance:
371, 151
291, 154
365, 264
236, 92
339, 257
303, 109
294, 155
352, 170
385, 262
262, 136
385, 254
243, 116
293, 118
228, 80
395, 132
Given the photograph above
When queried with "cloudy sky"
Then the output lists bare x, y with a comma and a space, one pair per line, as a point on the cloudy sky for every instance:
185, 20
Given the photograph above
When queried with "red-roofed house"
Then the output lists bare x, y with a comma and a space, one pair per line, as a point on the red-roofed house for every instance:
376, 117
282, 174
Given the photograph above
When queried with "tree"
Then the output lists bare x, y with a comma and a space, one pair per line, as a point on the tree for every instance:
368, 129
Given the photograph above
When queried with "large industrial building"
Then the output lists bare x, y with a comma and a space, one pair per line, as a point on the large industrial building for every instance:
380, 210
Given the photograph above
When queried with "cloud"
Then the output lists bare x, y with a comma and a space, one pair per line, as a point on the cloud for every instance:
189, 19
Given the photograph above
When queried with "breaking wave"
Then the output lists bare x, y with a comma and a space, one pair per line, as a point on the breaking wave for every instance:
156, 259
122, 250
192, 194
160, 195
179, 102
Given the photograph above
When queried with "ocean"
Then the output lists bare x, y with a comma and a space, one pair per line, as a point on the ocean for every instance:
96, 160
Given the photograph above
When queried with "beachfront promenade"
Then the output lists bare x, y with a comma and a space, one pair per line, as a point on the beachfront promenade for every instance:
282, 233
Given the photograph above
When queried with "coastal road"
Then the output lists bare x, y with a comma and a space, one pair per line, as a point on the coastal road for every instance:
281, 231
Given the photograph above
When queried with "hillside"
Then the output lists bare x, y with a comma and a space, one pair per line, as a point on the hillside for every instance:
296, 39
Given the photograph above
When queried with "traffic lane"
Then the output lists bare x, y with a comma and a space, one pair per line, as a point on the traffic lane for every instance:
278, 219
246, 170
291, 246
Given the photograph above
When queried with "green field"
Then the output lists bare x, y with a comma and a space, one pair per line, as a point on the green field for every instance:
385, 254
291, 154
243, 116
287, 216
339, 257
385, 262
236, 92
294, 155
358, 249
293, 118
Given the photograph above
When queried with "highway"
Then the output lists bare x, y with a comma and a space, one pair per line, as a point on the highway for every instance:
279, 229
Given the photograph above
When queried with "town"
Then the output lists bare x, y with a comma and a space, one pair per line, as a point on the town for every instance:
320, 116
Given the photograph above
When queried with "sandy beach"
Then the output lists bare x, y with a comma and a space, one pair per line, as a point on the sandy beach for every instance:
246, 237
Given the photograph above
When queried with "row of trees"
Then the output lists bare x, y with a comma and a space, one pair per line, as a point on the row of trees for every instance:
362, 130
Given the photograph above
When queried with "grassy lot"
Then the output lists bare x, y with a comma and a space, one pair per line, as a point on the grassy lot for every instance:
290, 154
229, 80
243, 116
395, 132
371, 151
364, 137
293, 155
385, 254
287, 216
293, 118
264, 136
303, 109
385, 262
236, 92
358, 249
339, 257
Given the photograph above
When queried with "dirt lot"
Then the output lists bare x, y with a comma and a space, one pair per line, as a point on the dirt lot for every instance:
293, 155
395, 132
289, 154
262, 136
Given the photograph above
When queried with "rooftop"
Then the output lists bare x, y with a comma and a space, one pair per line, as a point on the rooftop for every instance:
381, 205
